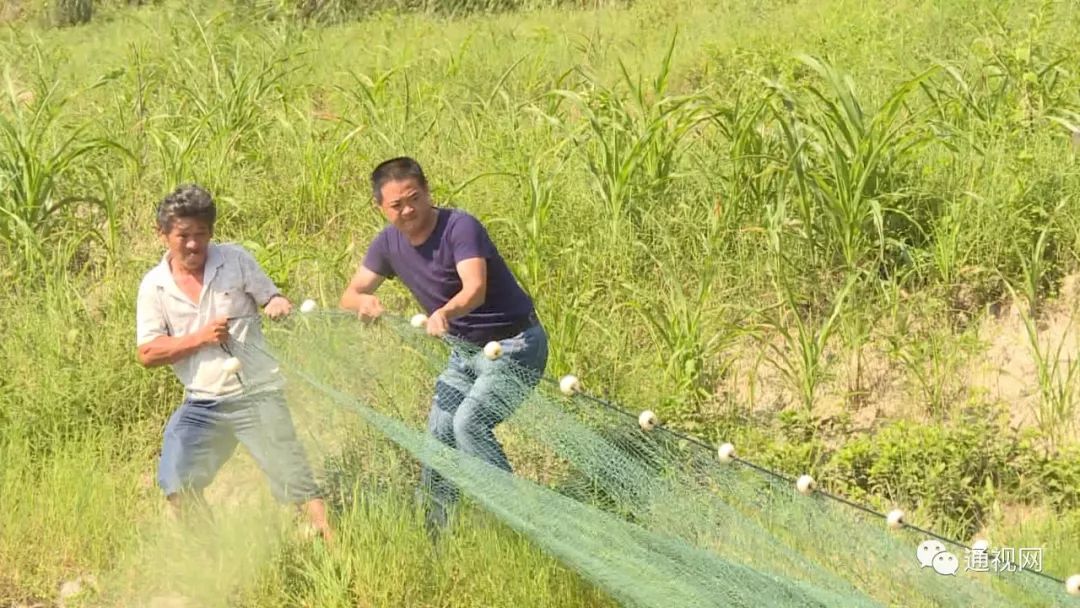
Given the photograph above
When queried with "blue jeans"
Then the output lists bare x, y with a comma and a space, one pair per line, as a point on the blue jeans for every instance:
472, 396
202, 434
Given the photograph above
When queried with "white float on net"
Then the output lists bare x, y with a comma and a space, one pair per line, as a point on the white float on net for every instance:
1072, 585
726, 453
895, 519
493, 350
647, 419
805, 484
569, 384
231, 365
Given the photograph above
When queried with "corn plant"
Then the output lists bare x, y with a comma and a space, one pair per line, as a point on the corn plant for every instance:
43, 166
753, 173
800, 353
394, 116
930, 357
847, 164
322, 171
856, 327
176, 150
1019, 81
678, 316
632, 148
533, 230
230, 93
1057, 376
569, 315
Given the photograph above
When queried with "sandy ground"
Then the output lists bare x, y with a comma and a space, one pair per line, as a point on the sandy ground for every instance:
994, 362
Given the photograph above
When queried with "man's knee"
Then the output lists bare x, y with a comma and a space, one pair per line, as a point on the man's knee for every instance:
286, 467
195, 446
449, 394
441, 424
471, 422
184, 471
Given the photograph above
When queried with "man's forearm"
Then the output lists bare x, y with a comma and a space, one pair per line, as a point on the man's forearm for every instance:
351, 299
466, 301
167, 349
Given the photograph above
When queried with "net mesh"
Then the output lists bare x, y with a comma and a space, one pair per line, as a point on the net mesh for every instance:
651, 517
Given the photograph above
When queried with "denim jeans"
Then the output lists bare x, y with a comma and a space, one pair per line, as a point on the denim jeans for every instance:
473, 395
202, 434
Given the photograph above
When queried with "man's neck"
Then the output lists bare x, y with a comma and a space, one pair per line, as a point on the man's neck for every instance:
423, 235
179, 271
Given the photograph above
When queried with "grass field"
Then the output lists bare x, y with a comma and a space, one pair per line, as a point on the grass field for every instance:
843, 235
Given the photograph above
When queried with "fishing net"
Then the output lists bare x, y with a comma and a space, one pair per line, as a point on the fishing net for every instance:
653, 517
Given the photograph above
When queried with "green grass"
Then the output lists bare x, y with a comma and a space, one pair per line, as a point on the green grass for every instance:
659, 175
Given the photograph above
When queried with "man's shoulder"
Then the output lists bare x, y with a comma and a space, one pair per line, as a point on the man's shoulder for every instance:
387, 233
385, 238
155, 276
233, 256
455, 215
231, 251
459, 219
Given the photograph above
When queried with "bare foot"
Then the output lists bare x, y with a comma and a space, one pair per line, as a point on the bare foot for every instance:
316, 513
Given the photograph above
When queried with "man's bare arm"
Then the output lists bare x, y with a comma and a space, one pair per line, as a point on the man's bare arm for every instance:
165, 350
359, 295
473, 273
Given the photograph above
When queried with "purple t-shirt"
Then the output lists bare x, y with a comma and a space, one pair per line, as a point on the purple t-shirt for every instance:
430, 272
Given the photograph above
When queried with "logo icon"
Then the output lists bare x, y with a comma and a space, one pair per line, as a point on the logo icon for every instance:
946, 563
931, 553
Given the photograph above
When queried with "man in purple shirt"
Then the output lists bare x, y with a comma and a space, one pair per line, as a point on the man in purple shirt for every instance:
446, 258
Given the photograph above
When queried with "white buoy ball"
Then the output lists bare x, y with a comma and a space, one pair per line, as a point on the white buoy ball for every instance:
493, 350
647, 420
725, 452
805, 484
980, 546
1072, 584
231, 365
895, 518
308, 306
569, 385
418, 320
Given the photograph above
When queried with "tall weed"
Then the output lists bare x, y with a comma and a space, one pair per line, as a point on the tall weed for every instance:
51, 182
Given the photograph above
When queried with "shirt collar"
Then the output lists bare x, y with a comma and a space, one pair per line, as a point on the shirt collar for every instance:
162, 275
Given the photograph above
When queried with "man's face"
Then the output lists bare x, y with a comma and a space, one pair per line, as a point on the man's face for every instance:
188, 242
406, 205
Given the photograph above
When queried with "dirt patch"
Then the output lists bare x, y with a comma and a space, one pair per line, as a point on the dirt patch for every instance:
1009, 369
924, 377
10, 12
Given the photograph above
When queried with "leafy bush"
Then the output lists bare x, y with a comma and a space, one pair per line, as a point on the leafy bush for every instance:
954, 474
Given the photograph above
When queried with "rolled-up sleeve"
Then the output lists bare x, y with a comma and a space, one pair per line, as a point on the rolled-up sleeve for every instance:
256, 281
149, 318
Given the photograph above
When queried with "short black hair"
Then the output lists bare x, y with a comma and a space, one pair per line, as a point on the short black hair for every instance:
396, 170
187, 201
